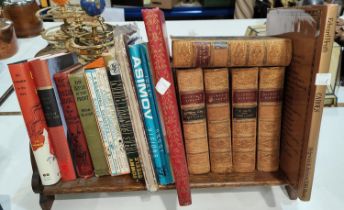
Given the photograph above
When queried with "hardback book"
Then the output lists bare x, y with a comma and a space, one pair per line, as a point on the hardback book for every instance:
244, 118
56, 63
140, 62
45, 90
106, 116
32, 112
191, 52
216, 87
311, 30
81, 155
154, 21
121, 55
88, 121
125, 123
194, 120
271, 82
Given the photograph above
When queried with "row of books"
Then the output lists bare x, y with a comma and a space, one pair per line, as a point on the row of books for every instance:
230, 93
105, 117
87, 115
226, 128
230, 90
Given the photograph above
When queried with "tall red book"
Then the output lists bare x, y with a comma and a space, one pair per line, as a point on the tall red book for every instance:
41, 76
158, 49
35, 123
84, 167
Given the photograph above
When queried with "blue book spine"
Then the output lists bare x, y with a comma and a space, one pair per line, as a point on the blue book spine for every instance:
145, 93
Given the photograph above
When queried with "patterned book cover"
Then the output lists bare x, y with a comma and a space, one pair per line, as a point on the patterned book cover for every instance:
244, 118
216, 85
191, 52
43, 82
145, 92
271, 82
125, 123
84, 105
194, 120
35, 123
158, 49
81, 154
107, 121
121, 55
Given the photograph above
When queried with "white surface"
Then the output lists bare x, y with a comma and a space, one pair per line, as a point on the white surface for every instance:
15, 176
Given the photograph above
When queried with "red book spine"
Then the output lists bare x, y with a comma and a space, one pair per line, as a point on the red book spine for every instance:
41, 76
81, 154
35, 123
158, 49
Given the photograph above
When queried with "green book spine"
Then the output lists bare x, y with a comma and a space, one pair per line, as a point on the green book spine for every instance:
89, 123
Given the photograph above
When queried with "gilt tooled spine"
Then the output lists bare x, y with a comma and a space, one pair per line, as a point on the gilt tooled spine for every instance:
230, 52
216, 84
192, 102
244, 118
271, 80
124, 120
81, 155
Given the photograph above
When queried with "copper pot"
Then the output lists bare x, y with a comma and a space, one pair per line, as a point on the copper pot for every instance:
22, 13
8, 39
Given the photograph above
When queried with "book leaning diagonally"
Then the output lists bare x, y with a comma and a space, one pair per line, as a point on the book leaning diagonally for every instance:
311, 30
158, 49
121, 56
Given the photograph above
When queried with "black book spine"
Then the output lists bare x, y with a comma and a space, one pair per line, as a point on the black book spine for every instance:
125, 125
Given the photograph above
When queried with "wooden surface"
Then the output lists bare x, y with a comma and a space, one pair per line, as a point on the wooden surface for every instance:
126, 183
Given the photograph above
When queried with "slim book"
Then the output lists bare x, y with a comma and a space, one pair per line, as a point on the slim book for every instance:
125, 123
43, 82
85, 110
105, 112
154, 21
35, 123
145, 92
121, 55
81, 155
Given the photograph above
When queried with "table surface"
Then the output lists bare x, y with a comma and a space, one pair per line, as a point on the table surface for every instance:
15, 176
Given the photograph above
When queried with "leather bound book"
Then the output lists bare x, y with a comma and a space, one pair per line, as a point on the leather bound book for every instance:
191, 52
42, 78
159, 53
216, 85
271, 81
89, 124
244, 118
125, 123
35, 123
192, 103
81, 154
